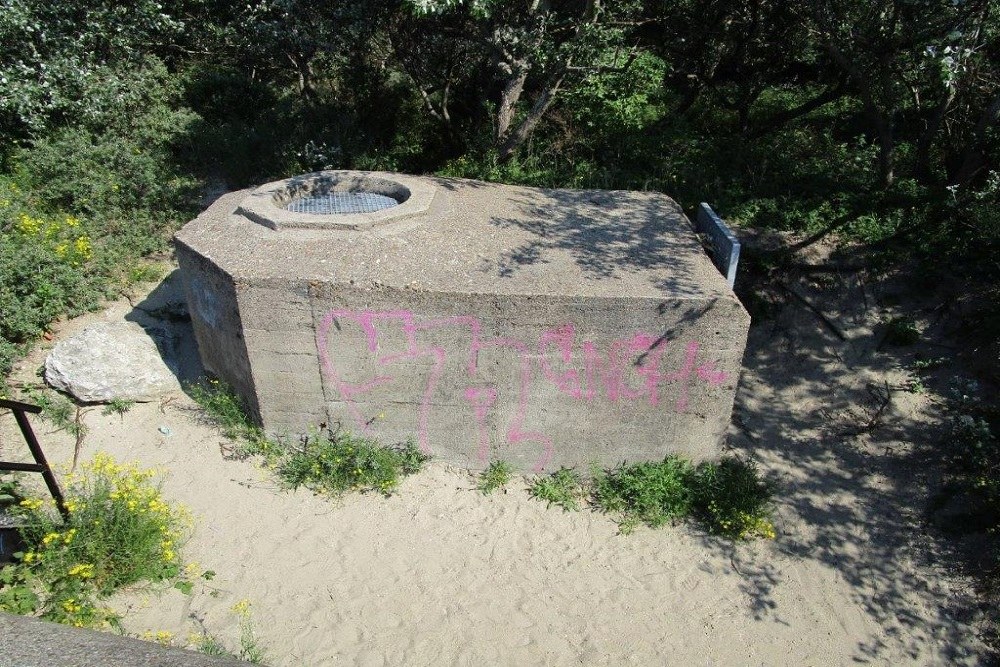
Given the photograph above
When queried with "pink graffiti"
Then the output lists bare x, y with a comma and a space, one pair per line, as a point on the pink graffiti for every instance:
602, 375
482, 399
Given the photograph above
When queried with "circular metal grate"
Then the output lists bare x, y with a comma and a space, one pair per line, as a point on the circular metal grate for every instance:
332, 203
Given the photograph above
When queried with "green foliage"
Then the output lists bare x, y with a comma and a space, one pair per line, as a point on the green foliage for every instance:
324, 463
119, 532
115, 173
969, 502
45, 270
731, 499
728, 497
11, 492
496, 476
250, 649
64, 61
224, 408
563, 488
649, 493
209, 645
339, 463
117, 406
56, 409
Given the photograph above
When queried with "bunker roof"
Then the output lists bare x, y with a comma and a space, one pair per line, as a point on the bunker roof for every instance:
454, 235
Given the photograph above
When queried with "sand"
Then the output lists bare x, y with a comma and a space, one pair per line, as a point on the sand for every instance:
439, 574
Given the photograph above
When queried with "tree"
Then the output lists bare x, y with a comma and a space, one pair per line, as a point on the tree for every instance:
527, 52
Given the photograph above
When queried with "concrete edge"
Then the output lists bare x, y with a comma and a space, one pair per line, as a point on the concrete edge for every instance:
31, 642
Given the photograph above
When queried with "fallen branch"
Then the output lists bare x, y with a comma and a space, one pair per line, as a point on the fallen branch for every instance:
816, 311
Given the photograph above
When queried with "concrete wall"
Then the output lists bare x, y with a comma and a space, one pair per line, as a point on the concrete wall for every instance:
218, 326
540, 382
541, 374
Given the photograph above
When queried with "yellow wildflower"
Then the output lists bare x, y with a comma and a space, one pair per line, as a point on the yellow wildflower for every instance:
83, 248
242, 607
82, 570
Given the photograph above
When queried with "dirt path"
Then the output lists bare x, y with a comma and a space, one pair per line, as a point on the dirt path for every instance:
440, 574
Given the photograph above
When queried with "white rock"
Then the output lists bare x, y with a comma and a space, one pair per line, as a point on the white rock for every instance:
108, 361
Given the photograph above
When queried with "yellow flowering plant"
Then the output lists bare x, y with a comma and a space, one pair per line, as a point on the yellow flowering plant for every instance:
61, 234
119, 531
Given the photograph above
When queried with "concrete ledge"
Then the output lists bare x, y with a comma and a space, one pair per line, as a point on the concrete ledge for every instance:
265, 205
29, 642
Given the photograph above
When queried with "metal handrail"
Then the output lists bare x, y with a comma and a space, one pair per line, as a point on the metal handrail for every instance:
41, 465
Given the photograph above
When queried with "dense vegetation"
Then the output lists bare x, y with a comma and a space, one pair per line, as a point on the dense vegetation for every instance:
875, 120
878, 120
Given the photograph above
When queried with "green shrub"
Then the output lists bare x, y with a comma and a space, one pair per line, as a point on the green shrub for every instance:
119, 531
731, 499
649, 493
727, 497
339, 463
564, 488
901, 331
977, 458
46, 270
496, 476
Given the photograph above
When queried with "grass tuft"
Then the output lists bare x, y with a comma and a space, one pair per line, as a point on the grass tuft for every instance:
224, 408
336, 464
563, 488
496, 476
331, 463
117, 406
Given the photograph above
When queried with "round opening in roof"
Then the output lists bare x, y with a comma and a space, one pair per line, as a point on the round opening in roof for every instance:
341, 203
337, 200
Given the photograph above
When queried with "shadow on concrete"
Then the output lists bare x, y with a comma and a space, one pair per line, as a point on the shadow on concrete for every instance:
607, 234
856, 467
164, 317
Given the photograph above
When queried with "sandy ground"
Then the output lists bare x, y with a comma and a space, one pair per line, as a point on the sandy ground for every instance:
439, 574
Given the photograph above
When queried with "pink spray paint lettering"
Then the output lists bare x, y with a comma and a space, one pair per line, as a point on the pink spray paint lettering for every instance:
630, 371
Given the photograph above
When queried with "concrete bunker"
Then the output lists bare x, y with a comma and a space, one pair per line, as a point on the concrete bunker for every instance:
484, 321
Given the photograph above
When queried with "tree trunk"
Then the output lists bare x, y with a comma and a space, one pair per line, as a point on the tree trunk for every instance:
515, 138
922, 157
973, 158
509, 97
886, 148
879, 120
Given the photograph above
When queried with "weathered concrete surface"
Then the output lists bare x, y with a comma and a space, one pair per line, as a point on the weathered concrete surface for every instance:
545, 327
29, 642
109, 361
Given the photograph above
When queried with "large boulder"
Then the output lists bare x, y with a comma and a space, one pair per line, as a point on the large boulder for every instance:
111, 361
